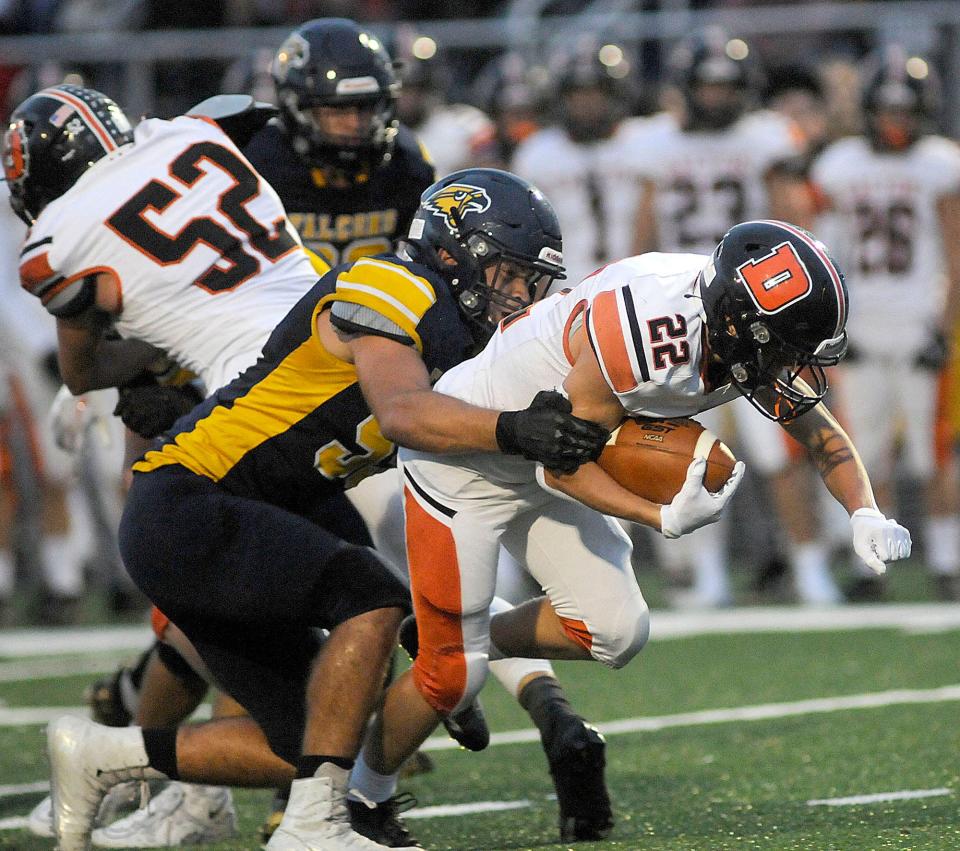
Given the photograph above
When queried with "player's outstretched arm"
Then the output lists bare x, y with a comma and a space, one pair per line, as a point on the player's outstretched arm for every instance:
396, 385
876, 539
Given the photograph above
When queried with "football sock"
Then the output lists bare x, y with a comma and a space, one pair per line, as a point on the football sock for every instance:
544, 700
371, 785
308, 764
160, 743
511, 672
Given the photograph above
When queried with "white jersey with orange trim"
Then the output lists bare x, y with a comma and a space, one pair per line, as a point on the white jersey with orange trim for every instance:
644, 321
708, 181
190, 232
593, 187
885, 232
457, 136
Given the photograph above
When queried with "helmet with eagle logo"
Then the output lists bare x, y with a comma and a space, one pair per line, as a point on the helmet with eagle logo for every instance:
484, 218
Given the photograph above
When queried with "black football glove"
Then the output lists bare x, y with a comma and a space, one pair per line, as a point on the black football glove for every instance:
149, 409
933, 356
547, 432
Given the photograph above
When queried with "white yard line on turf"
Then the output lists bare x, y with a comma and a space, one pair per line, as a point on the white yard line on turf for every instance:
14, 823
466, 809
879, 797
25, 716
42, 668
910, 617
11, 790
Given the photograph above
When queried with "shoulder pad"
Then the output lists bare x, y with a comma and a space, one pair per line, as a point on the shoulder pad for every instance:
239, 116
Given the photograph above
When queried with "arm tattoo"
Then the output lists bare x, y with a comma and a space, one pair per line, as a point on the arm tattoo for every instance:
828, 451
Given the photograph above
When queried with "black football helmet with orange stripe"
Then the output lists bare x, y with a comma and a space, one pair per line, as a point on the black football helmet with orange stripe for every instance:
53, 137
776, 307
900, 98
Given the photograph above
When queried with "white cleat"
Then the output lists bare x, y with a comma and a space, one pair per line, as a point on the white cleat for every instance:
182, 814
120, 799
316, 818
86, 760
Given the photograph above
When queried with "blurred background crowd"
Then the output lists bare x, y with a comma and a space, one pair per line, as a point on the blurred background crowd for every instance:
651, 125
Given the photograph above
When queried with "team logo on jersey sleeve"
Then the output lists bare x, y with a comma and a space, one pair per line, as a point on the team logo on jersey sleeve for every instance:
776, 280
454, 201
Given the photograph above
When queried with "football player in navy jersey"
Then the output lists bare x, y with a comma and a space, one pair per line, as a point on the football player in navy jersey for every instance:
349, 174
237, 527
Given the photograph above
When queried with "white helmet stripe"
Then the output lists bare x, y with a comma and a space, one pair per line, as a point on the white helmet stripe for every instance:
94, 123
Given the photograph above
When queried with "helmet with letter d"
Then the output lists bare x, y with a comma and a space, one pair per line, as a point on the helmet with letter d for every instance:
480, 226
52, 138
776, 308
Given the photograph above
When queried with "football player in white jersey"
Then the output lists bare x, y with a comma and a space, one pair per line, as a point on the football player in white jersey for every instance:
716, 163
655, 335
894, 196
585, 160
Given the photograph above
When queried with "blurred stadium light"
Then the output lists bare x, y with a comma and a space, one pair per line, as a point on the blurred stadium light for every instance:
920, 24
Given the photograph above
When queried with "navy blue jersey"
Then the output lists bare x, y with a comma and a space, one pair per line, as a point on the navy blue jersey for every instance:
344, 224
295, 427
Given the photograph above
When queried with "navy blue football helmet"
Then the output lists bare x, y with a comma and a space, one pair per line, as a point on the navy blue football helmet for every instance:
336, 62
484, 217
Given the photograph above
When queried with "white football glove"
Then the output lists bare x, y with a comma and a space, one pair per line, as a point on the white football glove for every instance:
72, 418
695, 506
878, 540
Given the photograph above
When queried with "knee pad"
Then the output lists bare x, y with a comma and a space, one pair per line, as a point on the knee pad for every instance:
616, 647
448, 679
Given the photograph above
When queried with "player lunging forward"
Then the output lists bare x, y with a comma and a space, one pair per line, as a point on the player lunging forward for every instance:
655, 335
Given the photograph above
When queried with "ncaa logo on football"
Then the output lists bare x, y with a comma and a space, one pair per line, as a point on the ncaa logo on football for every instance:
456, 200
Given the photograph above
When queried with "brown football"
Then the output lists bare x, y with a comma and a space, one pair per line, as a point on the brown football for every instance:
650, 457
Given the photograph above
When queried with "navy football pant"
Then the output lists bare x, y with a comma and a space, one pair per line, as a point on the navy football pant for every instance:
250, 583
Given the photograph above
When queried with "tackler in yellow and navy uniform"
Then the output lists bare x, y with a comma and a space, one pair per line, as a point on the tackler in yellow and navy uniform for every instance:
238, 518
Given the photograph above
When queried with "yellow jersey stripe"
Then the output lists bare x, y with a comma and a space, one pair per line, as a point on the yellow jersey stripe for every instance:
409, 328
397, 286
375, 295
421, 284
301, 383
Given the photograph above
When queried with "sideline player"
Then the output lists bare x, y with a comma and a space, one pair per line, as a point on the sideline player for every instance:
655, 335
894, 198
369, 334
719, 162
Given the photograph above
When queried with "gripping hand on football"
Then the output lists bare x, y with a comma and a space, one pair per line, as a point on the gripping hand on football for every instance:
694, 506
878, 540
548, 432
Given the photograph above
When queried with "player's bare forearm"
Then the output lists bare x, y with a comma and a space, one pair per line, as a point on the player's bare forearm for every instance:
396, 385
591, 485
835, 458
88, 361
948, 210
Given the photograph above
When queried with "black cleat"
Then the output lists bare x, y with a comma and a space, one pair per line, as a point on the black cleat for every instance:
575, 753
105, 699
468, 727
381, 822
419, 763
